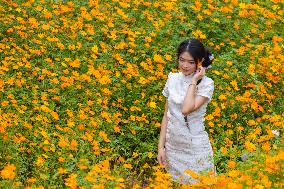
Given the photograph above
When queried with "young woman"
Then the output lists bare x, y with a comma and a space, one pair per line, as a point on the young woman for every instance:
184, 143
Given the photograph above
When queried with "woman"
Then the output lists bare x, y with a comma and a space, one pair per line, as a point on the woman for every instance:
184, 143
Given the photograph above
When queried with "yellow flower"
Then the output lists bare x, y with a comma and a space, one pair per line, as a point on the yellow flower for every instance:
40, 161
233, 173
251, 122
105, 80
95, 49
168, 57
234, 84
258, 186
158, 58
199, 17
198, 33
250, 146
142, 80
146, 165
135, 154
222, 97
150, 154
152, 104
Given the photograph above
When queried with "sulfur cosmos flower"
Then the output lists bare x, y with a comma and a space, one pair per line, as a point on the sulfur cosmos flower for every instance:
199, 64
8, 172
192, 173
95, 49
152, 104
128, 166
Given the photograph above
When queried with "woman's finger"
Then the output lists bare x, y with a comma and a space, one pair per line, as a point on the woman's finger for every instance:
164, 160
202, 71
165, 163
159, 159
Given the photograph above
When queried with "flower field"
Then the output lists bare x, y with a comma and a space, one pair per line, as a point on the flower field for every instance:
81, 91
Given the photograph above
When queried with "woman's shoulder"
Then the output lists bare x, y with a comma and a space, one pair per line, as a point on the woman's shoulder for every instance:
208, 79
174, 75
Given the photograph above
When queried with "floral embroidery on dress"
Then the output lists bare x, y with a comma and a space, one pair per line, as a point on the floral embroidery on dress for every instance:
187, 147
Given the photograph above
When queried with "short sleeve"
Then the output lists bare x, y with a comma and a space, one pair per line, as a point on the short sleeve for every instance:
206, 89
165, 91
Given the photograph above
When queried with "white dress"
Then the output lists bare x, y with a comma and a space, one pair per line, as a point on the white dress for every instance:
187, 146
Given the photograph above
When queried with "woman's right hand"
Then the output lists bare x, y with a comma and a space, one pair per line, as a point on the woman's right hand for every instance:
162, 157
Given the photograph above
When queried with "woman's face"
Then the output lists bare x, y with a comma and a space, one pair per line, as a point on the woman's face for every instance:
186, 63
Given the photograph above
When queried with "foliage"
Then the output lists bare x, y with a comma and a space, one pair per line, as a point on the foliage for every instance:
81, 83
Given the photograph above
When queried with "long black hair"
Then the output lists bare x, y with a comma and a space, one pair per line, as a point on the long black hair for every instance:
196, 49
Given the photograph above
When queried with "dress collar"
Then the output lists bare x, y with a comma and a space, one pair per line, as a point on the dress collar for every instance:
186, 78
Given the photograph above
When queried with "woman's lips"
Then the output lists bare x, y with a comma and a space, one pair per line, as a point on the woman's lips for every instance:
185, 70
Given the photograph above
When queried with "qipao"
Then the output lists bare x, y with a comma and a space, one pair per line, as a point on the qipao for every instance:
187, 146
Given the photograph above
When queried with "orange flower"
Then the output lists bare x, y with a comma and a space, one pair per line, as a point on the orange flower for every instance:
73, 144
61, 170
128, 166
55, 115
231, 164
117, 129
266, 147
8, 172
63, 142
81, 127
75, 63
199, 64
39, 161
191, 173
158, 58
71, 181
103, 135
250, 146
61, 159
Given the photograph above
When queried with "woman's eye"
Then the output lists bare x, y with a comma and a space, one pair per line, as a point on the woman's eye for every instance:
183, 60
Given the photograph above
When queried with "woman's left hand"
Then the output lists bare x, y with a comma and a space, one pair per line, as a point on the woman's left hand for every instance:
200, 72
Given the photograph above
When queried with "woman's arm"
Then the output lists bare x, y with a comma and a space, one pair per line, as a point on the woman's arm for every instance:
192, 102
163, 131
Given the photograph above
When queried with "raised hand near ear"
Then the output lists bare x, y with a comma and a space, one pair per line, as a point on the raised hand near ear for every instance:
200, 72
